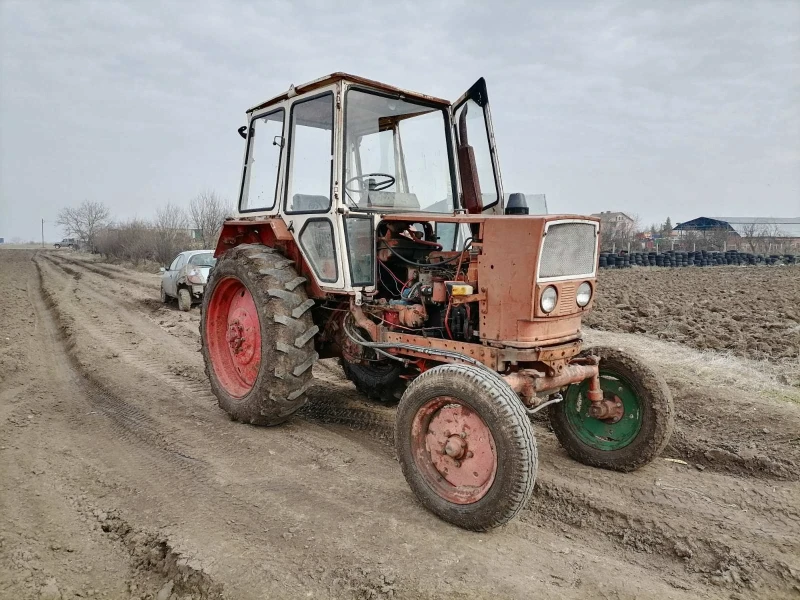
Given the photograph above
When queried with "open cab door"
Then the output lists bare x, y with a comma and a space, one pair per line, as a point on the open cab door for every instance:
478, 164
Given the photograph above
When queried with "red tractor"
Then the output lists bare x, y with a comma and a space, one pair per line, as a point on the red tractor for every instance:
372, 227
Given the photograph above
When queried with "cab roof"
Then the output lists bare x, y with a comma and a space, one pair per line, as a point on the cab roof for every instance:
336, 77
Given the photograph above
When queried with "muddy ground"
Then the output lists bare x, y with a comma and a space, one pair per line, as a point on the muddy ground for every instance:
121, 478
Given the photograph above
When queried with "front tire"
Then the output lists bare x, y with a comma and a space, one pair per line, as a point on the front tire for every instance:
466, 446
635, 439
257, 335
164, 297
184, 300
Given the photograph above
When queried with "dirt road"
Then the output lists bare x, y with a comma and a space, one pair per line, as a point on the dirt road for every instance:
121, 478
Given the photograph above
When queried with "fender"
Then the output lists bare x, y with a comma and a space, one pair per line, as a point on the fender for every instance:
270, 232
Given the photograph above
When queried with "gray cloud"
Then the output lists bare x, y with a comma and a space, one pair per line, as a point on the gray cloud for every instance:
664, 108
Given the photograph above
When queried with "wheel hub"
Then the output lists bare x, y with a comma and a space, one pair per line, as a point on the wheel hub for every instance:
461, 451
234, 336
611, 423
609, 410
455, 447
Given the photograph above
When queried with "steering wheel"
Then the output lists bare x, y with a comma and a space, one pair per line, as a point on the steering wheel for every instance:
389, 182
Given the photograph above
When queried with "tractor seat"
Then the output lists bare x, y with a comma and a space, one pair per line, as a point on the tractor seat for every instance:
309, 202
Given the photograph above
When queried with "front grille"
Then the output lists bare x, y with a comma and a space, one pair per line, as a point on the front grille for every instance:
566, 299
568, 250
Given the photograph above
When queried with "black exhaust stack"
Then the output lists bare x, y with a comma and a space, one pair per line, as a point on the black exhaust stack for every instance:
517, 205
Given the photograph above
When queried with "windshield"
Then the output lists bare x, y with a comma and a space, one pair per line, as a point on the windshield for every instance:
396, 155
203, 260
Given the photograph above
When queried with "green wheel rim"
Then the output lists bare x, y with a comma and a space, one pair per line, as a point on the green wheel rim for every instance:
604, 435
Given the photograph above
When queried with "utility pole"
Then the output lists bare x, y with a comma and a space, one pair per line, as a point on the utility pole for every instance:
42, 233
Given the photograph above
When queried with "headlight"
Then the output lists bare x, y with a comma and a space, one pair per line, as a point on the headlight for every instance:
584, 294
195, 276
549, 299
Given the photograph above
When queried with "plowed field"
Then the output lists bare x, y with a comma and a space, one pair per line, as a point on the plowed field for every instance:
753, 312
121, 478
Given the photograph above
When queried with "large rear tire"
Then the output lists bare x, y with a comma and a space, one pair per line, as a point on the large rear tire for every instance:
635, 437
466, 446
257, 335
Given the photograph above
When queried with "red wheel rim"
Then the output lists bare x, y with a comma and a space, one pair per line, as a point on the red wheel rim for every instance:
233, 336
454, 450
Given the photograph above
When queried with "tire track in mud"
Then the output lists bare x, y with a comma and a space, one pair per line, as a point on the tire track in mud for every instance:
150, 306
559, 501
152, 554
104, 270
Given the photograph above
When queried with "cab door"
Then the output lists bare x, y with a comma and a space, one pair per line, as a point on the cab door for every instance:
311, 187
478, 165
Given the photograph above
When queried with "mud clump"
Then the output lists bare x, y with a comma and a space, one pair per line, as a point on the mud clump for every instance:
157, 570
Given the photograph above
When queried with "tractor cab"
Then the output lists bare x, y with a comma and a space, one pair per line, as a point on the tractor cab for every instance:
332, 156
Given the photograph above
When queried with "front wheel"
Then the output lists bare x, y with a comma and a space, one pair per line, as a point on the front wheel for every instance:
184, 300
636, 435
466, 446
164, 297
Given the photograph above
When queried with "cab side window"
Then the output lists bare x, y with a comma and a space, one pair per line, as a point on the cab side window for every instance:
311, 156
174, 266
266, 139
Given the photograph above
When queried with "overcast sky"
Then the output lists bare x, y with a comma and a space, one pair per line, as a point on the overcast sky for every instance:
668, 108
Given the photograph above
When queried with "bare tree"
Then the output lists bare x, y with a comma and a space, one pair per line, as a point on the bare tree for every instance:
85, 221
172, 228
208, 212
751, 232
770, 235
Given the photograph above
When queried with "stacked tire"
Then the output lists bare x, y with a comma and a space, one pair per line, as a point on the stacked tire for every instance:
699, 258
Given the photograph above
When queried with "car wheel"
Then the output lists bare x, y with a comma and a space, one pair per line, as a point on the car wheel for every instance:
184, 300
164, 297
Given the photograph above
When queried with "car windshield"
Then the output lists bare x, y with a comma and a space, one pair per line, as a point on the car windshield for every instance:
396, 155
203, 260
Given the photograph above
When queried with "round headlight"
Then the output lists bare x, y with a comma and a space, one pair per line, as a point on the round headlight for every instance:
584, 294
549, 299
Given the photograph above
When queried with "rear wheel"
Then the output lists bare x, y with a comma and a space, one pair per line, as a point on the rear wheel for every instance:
184, 299
257, 335
636, 434
380, 382
466, 446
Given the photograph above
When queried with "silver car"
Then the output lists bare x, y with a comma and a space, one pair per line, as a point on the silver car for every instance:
185, 279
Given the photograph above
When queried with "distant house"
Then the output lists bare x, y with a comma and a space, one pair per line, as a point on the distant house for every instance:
616, 218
